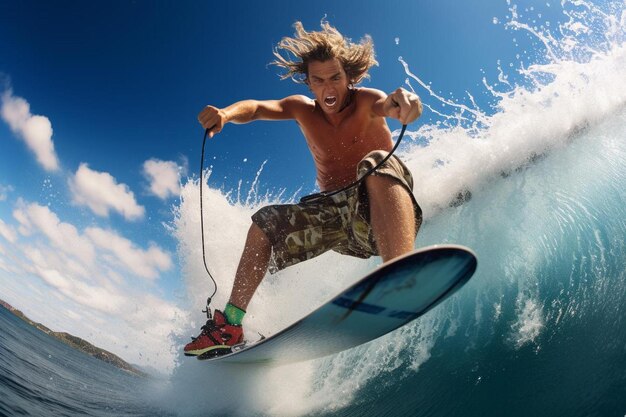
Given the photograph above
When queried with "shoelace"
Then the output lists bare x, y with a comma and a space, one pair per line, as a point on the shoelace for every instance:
209, 327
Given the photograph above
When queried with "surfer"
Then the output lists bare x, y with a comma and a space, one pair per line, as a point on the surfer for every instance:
347, 134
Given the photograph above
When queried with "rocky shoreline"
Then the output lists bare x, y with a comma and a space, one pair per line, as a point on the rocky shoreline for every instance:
78, 343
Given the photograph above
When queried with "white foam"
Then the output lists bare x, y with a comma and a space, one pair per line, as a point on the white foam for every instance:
529, 323
581, 83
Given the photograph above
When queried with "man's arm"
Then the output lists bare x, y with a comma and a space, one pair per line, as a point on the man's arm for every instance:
245, 111
401, 104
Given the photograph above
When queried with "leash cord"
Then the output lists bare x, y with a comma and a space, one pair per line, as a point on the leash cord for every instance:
208, 301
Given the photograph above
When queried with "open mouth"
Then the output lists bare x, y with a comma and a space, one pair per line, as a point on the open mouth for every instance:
330, 101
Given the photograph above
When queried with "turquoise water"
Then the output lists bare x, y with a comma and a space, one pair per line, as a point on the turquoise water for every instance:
40, 376
541, 329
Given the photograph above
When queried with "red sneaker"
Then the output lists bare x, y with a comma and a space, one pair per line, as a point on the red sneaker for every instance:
216, 334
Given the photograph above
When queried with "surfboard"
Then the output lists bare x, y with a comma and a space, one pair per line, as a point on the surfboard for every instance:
391, 296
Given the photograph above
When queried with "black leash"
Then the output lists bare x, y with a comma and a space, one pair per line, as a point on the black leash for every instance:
306, 199
208, 301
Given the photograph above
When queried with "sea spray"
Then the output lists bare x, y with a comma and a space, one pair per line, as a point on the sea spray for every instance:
578, 82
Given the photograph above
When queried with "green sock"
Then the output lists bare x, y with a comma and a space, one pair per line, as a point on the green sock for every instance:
234, 315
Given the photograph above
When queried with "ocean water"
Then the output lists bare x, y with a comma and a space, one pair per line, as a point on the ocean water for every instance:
535, 185
41, 376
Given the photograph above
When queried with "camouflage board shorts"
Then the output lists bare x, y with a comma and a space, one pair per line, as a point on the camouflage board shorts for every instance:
339, 222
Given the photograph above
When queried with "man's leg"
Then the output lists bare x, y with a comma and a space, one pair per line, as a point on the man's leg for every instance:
392, 216
228, 331
252, 267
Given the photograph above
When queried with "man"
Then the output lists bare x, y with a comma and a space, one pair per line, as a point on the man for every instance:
347, 135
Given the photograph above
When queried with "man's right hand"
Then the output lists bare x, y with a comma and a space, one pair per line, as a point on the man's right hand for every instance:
213, 119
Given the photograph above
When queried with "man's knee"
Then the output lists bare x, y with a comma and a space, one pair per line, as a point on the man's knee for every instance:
379, 186
389, 192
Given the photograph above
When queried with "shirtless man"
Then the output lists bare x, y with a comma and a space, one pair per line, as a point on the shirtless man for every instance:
347, 134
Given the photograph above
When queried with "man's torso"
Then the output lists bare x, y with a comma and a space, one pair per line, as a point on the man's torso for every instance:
338, 147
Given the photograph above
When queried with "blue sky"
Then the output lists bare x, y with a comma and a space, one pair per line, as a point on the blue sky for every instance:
121, 83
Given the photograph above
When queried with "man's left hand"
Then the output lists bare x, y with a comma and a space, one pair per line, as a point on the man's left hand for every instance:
403, 105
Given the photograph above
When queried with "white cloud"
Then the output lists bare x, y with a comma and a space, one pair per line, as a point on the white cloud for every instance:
118, 252
144, 263
36, 130
4, 191
92, 296
64, 236
54, 279
164, 177
100, 192
25, 227
7, 232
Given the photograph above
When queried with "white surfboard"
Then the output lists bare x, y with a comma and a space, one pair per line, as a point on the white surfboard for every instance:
389, 297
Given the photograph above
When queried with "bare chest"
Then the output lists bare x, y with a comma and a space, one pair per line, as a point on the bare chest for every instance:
355, 131
337, 150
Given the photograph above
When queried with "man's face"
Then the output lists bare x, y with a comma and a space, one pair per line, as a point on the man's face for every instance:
329, 84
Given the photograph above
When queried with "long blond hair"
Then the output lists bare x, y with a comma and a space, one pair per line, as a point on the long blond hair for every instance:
323, 45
